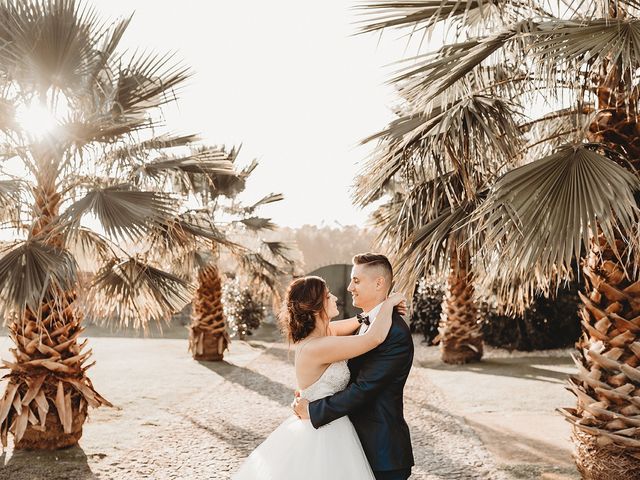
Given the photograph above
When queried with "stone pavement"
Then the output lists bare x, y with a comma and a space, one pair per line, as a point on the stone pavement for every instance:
509, 400
176, 418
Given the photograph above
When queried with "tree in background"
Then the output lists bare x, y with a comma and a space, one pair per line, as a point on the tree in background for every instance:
80, 117
222, 232
573, 197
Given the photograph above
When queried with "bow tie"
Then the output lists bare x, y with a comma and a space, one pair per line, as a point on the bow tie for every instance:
362, 318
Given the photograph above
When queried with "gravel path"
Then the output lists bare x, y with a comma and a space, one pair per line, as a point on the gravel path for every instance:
181, 419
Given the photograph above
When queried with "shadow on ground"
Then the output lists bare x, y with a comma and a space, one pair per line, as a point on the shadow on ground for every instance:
519, 447
528, 368
241, 440
251, 380
68, 464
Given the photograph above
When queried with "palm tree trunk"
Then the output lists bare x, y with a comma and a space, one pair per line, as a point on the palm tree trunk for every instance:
607, 385
459, 331
45, 403
208, 337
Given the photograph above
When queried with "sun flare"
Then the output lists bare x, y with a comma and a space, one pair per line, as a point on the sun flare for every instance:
37, 119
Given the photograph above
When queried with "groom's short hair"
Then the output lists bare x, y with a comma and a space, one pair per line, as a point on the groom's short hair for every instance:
379, 261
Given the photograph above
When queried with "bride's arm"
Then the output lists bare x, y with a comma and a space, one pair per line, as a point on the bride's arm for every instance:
344, 327
350, 325
331, 349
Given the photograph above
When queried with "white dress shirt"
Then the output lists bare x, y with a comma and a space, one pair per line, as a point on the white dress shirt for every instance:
372, 316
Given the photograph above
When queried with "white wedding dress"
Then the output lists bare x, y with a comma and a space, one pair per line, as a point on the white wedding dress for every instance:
295, 450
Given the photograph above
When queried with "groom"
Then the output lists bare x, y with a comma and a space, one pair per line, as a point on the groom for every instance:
373, 398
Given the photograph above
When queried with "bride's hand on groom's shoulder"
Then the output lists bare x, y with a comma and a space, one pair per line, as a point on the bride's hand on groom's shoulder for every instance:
402, 308
399, 301
396, 298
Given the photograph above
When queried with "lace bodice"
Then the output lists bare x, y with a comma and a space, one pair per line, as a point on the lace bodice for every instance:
332, 380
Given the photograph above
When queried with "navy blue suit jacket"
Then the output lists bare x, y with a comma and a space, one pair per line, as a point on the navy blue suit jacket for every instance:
373, 400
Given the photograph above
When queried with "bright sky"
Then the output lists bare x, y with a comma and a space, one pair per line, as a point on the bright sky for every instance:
285, 79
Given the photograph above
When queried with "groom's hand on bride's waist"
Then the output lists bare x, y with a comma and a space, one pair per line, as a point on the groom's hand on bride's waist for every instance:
301, 407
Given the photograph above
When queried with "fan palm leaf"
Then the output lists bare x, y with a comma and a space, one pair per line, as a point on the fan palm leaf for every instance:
32, 270
122, 211
49, 44
432, 74
135, 292
425, 14
588, 43
542, 214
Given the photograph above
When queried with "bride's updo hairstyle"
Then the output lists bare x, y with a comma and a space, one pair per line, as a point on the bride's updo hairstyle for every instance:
304, 299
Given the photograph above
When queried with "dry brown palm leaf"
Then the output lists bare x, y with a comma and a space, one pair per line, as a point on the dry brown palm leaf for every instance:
136, 293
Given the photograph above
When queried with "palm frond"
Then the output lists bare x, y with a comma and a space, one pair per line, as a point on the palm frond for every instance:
422, 15
411, 208
271, 198
134, 293
434, 73
187, 263
101, 128
262, 272
7, 115
134, 154
188, 231
10, 190
427, 250
196, 173
591, 44
88, 248
31, 271
279, 250
539, 216
551, 131
122, 211
257, 223
472, 134
147, 81
49, 44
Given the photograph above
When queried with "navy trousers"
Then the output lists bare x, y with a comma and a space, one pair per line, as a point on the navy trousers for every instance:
401, 474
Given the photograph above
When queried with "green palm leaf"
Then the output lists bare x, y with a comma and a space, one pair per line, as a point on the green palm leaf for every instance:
122, 211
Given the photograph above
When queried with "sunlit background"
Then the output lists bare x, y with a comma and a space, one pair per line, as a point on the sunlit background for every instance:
288, 80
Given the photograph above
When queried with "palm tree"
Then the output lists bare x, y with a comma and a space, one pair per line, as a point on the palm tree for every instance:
222, 229
79, 118
573, 197
438, 163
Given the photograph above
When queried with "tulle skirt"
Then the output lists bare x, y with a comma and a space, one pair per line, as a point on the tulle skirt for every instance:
297, 451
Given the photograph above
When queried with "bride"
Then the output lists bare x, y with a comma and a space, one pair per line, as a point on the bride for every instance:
296, 450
